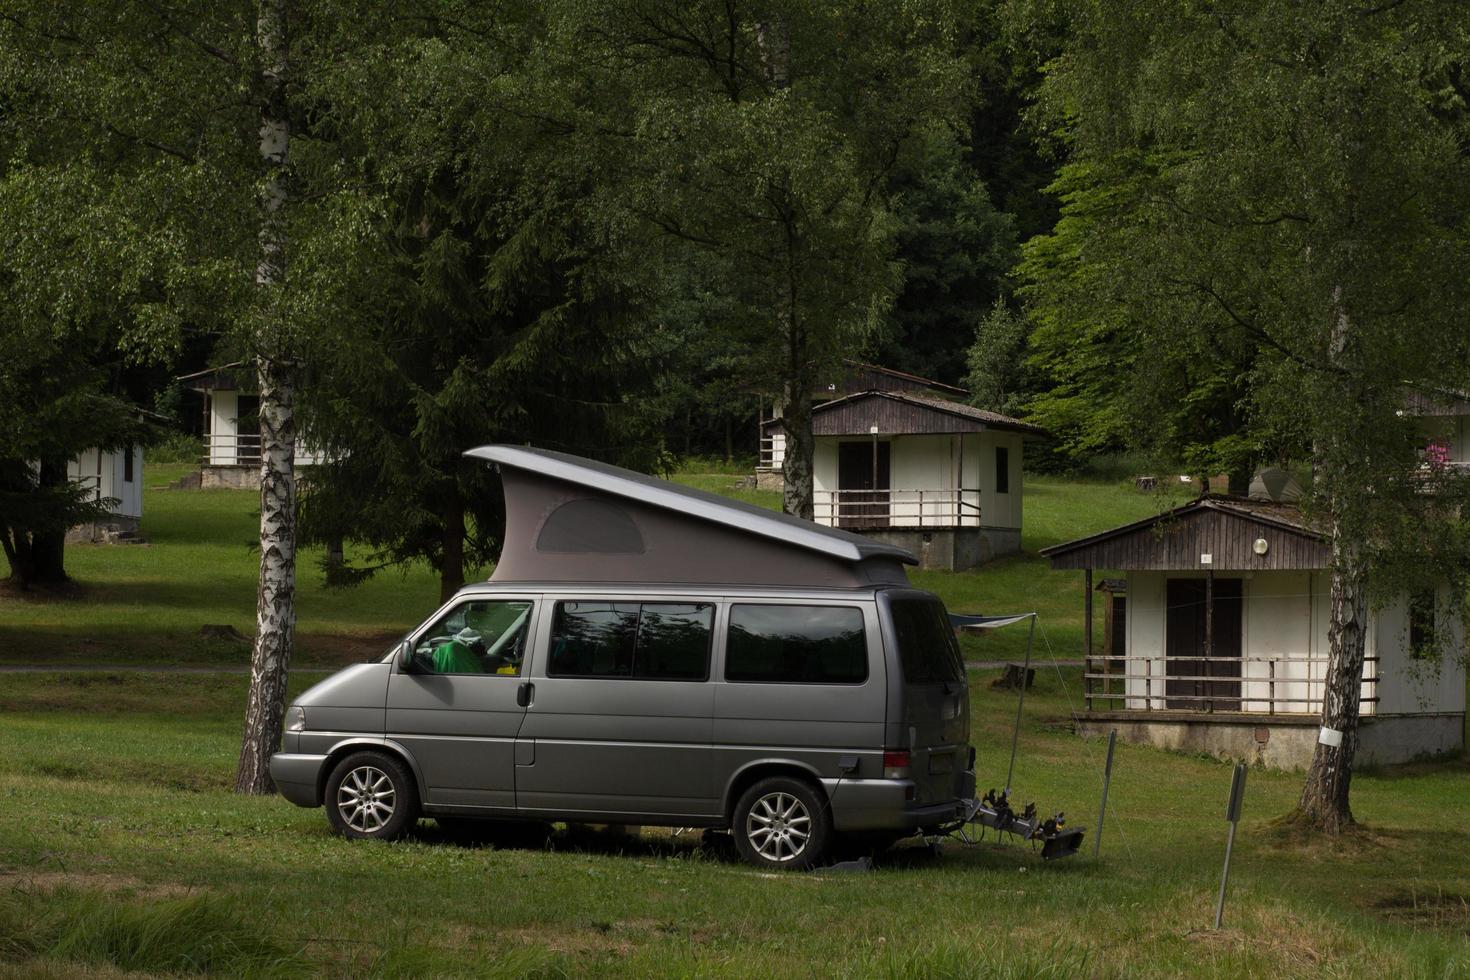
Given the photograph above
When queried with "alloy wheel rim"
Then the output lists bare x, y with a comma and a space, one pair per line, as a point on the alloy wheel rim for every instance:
366, 799
778, 827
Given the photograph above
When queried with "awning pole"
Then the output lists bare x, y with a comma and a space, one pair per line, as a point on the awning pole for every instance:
1016, 731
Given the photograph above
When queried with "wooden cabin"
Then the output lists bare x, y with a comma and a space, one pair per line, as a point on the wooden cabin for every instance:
231, 426
1224, 645
904, 460
115, 474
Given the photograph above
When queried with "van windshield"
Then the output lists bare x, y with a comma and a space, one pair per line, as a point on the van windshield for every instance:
926, 643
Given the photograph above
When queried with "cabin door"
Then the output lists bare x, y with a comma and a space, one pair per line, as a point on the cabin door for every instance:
1197, 684
863, 482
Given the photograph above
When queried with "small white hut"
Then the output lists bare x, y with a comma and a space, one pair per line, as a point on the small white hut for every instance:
1224, 641
231, 425
111, 473
904, 460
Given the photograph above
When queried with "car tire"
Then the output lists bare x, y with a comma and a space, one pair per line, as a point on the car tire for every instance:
782, 823
371, 796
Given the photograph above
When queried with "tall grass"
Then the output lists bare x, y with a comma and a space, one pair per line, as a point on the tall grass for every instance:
199, 934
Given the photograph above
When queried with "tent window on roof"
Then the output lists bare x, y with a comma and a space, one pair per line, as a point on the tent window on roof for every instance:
587, 526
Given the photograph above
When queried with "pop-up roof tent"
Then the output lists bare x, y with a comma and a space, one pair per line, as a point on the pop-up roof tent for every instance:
569, 519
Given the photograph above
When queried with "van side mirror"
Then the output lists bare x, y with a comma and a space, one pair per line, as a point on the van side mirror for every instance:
405, 657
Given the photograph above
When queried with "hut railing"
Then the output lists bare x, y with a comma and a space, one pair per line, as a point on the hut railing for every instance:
224, 449
1266, 685
897, 508
769, 459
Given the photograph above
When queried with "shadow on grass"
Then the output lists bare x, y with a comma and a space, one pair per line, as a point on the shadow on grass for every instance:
717, 847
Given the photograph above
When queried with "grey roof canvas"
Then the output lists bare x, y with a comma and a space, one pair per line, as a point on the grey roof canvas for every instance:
575, 519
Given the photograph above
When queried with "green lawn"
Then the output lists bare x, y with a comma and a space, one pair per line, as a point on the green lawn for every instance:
121, 848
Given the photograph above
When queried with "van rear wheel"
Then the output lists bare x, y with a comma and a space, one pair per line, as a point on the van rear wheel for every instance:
371, 796
782, 822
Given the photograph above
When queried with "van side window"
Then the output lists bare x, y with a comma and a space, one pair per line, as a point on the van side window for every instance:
479, 637
650, 640
796, 645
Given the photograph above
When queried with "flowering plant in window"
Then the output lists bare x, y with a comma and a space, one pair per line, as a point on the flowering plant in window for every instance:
1437, 455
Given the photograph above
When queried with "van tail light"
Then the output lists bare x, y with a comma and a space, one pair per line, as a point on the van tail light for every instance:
896, 764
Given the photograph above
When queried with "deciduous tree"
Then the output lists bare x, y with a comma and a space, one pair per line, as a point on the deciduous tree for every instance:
1266, 211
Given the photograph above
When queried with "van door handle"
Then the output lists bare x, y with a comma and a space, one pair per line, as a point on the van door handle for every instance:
524, 693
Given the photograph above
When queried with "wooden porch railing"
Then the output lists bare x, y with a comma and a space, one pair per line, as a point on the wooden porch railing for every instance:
1106, 679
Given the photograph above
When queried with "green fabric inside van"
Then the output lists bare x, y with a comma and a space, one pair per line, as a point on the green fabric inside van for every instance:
456, 658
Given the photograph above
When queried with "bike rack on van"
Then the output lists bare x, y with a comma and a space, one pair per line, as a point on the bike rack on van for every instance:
994, 810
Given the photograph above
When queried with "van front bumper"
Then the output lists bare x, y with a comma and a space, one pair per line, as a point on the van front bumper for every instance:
883, 804
298, 777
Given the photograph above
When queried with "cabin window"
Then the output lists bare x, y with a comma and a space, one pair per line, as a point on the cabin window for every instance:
652, 640
128, 464
796, 645
1422, 640
1002, 469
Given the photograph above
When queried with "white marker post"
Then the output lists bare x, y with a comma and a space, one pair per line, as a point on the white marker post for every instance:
1232, 814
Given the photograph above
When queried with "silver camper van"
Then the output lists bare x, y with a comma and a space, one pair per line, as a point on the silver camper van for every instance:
650, 654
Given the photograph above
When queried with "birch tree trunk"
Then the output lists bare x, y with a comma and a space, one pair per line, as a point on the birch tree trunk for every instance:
1324, 800
275, 613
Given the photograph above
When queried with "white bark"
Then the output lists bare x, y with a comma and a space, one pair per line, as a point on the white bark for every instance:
275, 616
1324, 799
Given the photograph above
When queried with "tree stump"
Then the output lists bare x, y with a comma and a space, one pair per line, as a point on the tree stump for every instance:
1013, 677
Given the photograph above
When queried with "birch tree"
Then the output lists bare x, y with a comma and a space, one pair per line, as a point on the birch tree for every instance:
1269, 198
275, 608
183, 116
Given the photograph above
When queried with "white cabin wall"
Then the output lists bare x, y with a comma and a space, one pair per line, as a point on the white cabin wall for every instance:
920, 463
1407, 686
1277, 624
104, 475
998, 509
128, 492
824, 464
1145, 637
220, 440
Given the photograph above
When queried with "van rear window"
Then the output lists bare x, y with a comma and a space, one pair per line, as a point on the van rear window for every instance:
796, 645
926, 644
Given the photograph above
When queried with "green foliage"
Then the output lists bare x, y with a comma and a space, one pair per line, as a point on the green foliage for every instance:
1261, 253
957, 250
995, 360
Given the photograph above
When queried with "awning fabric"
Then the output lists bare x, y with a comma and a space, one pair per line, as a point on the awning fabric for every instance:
985, 622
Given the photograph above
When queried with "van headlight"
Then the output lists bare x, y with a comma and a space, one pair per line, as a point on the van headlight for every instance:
295, 718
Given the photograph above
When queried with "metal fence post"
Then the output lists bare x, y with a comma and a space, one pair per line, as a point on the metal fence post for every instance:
1232, 814
1103, 806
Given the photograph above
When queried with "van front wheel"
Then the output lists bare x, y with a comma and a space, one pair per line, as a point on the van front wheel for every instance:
782, 822
372, 796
